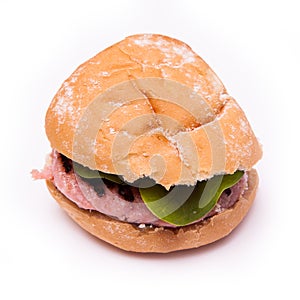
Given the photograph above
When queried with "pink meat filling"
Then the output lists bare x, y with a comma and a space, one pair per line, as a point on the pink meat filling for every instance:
110, 201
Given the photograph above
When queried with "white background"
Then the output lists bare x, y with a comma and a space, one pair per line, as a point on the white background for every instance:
254, 48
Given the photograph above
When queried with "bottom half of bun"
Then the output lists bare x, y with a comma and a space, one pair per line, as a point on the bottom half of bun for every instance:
131, 237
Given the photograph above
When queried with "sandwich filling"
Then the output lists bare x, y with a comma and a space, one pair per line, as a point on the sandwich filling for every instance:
109, 195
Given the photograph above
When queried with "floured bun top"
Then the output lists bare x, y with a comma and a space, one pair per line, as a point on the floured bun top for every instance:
150, 106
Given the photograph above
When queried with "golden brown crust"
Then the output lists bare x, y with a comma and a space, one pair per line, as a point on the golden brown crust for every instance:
161, 240
152, 92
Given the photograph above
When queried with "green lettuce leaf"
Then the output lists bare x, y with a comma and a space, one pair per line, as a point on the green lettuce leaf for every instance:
183, 204
86, 172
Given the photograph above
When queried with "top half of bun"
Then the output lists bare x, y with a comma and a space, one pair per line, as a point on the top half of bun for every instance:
150, 106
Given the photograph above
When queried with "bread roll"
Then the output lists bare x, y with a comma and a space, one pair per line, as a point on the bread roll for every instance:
131, 237
150, 106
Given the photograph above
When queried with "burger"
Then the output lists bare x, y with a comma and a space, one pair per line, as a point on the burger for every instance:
149, 152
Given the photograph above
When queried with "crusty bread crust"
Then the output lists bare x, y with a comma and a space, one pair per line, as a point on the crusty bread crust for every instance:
150, 106
158, 239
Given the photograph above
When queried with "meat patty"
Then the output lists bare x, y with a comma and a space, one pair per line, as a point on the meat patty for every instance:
122, 202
